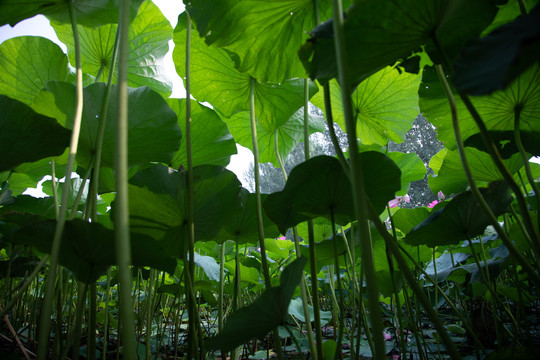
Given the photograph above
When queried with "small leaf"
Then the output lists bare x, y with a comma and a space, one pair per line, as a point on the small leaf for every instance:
269, 310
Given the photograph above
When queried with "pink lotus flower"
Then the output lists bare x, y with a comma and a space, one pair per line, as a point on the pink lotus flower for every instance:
433, 203
398, 200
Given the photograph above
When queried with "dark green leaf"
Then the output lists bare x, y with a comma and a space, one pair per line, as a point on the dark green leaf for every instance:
392, 30
88, 249
319, 187
158, 204
461, 219
243, 226
26, 136
87, 12
494, 61
153, 132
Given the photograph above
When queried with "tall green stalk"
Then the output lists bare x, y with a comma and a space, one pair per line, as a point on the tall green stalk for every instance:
264, 260
303, 283
359, 194
193, 316
121, 223
45, 318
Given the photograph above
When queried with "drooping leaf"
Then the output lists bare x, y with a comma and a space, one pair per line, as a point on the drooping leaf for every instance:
393, 30
320, 188
153, 132
385, 105
492, 62
289, 134
26, 136
269, 310
451, 178
461, 219
497, 109
211, 142
243, 226
90, 13
88, 249
149, 35
209, 265
24, 73
265, 35
215, 79
158, 204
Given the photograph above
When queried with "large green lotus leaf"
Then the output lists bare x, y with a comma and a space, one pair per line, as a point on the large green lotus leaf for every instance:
289, 134
149, 36
385, 105
243, 227
26, 136
87, 12
461, 219
43, 207
88, 249
451, 178
211, 142
158, 203
267, 312
320, 188
153, 132
266, 35
494, 61
215, 79
412, 169
497, 109
379, 33
24, 72
506, 144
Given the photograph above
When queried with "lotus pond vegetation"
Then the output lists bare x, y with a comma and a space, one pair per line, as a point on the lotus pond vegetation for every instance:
147, 247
